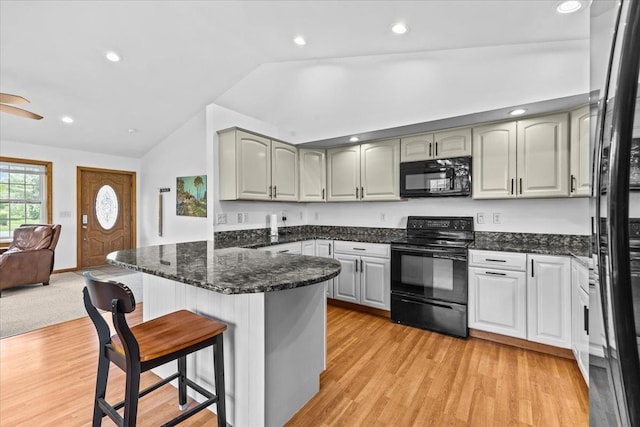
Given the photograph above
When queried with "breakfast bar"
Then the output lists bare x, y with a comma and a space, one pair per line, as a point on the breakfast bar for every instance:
274, 306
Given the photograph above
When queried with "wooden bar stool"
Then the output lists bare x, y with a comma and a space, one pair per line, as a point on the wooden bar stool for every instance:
146, 346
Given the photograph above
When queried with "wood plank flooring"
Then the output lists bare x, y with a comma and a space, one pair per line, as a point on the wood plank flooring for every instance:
378, 373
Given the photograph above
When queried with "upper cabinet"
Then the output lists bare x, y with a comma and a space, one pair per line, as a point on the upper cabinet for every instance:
313, 175
524, 159
439, 145
364, 172
254, 167
579, 184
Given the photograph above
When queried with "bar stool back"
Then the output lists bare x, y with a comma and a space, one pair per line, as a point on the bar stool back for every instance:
146, 346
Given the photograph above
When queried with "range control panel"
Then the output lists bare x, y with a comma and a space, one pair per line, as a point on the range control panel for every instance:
433, 223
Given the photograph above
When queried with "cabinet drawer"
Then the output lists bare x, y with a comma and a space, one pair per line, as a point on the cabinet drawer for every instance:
287, 248
356, 248
501, 260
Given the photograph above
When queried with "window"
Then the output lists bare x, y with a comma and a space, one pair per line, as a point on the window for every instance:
25, 194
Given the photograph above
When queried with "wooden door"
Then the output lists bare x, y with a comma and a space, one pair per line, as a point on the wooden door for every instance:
106, 209
494, 161
380, 170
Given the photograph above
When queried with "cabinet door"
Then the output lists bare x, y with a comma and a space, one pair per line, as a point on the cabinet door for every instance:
549, 300
343, 174
380, 170
324, 248
375, 284
498, 301
543, 157
309, 247
313, 175
579, 180
347, 285
254, 166
494, 161
284, 170
583, 337
416, 147
452, 143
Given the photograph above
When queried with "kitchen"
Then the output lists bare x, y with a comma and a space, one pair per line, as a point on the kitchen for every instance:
191, 145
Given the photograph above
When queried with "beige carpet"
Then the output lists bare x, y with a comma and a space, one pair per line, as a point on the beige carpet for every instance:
30, 307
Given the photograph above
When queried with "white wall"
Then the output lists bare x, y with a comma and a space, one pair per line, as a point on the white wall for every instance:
553, 216
183, 153
219, 118
65, 163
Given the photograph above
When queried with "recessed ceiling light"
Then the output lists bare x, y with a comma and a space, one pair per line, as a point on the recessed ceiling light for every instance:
67, 119
399, 28
354, 139
569, 6
299, 40
132, 130
112, 56
517, 111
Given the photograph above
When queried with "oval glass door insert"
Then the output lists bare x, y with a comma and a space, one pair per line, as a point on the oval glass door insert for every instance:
106, 207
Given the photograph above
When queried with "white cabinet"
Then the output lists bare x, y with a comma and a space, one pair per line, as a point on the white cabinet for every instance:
498, 293
439, 145
366, 274
284, 248
313, 175
549, 300
309, 247
579, 180
580, 316
525, 159
254, 167
364, 172
324, 248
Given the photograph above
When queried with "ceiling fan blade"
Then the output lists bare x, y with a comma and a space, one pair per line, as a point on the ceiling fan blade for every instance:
7, 98
19, 112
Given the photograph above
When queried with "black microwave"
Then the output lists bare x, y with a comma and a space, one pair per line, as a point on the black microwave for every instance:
441, 177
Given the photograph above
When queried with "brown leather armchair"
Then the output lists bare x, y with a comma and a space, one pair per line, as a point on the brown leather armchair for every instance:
29, 258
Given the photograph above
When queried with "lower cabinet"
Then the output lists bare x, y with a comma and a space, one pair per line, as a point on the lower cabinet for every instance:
580, 329
525, 296
498, 301
365, 279
324, 248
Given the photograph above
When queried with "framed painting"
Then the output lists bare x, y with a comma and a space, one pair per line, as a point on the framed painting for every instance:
191, 196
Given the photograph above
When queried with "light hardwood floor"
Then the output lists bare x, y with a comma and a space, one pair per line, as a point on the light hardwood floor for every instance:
378, 373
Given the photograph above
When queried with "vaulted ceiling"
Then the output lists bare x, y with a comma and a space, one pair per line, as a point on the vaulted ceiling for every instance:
179, 56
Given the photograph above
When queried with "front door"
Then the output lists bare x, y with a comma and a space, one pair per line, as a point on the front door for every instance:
106, 206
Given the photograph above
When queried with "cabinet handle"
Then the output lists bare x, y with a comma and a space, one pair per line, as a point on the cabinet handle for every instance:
281, 252
495, 260
436, 148
512, 185
356, 192
323, 194
356, 261
429, 149
275, 192
361, 266
532, 267
270, 192
495, 274
361, 192
585, 315
329, 249
359, 249
573, 181
520, 185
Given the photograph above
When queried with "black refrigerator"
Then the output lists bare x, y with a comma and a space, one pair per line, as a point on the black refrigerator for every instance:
614, 364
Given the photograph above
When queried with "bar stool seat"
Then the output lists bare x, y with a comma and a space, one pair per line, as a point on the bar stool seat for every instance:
146, 346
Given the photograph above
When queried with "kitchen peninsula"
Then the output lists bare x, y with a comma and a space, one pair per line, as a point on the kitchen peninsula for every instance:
274, 305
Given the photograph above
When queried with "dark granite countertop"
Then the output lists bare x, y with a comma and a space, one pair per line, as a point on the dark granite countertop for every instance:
228, 271
545, 244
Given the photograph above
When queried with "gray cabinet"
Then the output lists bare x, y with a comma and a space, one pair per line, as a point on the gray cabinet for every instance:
313, 175
438, 145
579, 180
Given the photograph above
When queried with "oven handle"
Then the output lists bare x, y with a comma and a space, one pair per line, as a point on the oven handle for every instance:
458, 255
450, 307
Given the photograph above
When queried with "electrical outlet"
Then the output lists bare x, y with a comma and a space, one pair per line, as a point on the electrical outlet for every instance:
316, 215
497, 218
245, 218
221, 218
284, 216
301, 215
480, 218
240, 218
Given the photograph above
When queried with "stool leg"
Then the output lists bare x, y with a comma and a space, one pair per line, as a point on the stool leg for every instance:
131, 395
101, 388
218, 362
182, 384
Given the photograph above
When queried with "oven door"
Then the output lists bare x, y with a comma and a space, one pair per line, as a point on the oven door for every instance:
429, 274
